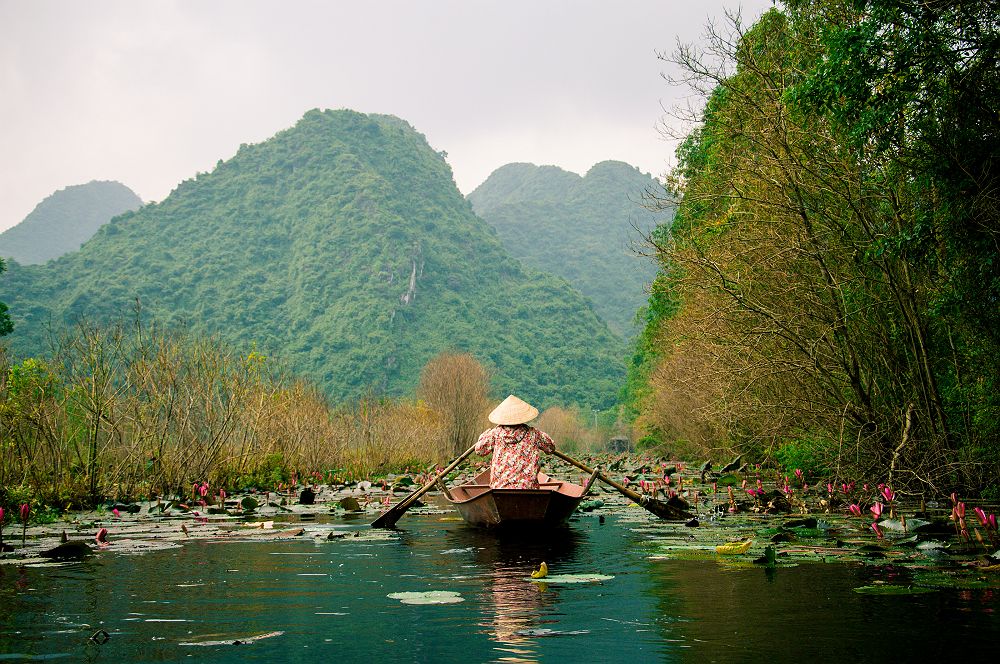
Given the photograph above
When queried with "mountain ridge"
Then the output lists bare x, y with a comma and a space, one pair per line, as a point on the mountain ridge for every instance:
65, 219
587, 229
343, 246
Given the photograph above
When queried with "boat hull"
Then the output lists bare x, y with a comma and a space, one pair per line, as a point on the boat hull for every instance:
549, 506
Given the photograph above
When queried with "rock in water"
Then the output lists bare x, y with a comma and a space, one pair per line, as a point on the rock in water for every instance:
350, 503
74, 550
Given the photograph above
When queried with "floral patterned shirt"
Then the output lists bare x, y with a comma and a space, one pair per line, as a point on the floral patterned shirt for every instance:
516, 455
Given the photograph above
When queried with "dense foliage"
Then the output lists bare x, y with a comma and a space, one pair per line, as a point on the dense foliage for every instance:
65, 220
125, 412
832, 275
343, 247
588, 230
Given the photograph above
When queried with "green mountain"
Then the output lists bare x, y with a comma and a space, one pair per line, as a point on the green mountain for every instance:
584, 229
65, 220
343, 247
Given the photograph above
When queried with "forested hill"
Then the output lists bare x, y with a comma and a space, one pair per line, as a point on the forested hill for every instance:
582, 228
342, 246
65, 220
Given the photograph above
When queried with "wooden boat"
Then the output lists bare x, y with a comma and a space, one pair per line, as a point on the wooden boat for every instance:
550, 505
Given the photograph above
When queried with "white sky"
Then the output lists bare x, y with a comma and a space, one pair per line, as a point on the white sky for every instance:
150, 92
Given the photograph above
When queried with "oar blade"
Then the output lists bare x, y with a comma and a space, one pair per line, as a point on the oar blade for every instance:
389, 518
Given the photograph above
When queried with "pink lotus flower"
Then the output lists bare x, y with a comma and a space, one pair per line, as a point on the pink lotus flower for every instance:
877, 510
203, 490
116, 513
888, 493
101, 538
854, 509
981, 513
960, 510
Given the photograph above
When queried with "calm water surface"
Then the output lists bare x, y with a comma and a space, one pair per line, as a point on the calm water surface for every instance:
330, 601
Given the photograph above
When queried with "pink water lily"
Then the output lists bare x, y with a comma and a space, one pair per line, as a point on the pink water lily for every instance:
854, 509
829, 488
203, 489
888, 493
798, 473
877, 510
101, 538
878, 531
981, 513
116, 513
992, 518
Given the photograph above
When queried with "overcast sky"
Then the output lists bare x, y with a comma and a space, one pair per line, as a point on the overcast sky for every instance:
150, 92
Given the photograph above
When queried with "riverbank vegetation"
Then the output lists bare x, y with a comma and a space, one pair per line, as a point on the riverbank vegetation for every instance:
126, 412
123, 412
828, 294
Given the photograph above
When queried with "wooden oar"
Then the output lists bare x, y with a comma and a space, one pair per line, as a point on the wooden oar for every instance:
657, 507
389, 518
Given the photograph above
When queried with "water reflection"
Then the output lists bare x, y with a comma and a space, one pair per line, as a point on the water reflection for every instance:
516, 612
730, 614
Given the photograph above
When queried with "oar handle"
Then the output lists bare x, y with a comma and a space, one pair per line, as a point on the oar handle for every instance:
628, 493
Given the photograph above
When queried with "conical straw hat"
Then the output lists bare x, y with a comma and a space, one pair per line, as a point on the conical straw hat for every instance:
513, 411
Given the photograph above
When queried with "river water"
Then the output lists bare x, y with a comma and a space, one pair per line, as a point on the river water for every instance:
326, 600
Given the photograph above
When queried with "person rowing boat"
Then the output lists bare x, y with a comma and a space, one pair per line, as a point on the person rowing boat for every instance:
516, 447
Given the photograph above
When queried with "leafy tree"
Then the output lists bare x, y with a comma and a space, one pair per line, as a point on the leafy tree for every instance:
6, 325
818, 291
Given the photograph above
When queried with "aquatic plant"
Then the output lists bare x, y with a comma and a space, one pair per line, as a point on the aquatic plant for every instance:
25, 513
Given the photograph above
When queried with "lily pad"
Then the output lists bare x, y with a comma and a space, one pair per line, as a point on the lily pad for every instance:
574, 578
428, 597
889, 589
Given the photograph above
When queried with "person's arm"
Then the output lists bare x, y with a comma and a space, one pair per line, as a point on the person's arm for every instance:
545, 443
485, 443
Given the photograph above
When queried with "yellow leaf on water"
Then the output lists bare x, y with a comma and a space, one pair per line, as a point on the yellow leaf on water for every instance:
733, 548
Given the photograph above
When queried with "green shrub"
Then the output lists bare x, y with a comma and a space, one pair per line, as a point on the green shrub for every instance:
807, 453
